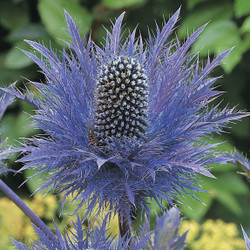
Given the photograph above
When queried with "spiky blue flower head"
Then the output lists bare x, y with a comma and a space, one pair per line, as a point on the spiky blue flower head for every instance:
125, 121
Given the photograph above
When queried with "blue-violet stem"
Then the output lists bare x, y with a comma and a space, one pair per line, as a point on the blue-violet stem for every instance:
19, 202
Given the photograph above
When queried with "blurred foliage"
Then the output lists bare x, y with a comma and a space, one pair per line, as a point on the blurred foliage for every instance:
15, 224
224, 189
212, 235
225, 30
228, 25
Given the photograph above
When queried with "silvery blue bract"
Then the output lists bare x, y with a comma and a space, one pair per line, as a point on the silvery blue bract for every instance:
166, 234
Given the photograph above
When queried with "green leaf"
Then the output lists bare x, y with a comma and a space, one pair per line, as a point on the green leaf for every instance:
242, 7
13, 16
52, 15
241, 129
235, 55
232, 59
194, 209
245, 26
224, 189
118, 4
31, 32
15, 58
228, 181
12, 75
204, 14
223, 147
192, 3
217, 37
229, 201
14, 126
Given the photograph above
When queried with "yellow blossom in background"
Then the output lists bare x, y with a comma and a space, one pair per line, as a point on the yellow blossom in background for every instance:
15, 224
44, 206
193, 229
94, 219
212, 235
114, 226
11, 223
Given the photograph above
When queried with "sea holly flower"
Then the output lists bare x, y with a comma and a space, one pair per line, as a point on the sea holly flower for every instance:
125, 121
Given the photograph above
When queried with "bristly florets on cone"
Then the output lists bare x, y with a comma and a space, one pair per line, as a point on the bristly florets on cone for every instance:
121, 100
124, 122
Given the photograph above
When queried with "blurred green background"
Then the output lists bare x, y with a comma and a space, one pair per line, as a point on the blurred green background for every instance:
228, 197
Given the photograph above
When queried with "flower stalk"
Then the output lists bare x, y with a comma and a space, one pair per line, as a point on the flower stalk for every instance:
124, 228
18, 201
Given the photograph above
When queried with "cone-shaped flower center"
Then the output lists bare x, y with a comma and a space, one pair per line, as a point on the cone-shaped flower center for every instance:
121, 100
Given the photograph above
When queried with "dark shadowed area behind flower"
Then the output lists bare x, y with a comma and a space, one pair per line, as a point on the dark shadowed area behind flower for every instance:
124, 171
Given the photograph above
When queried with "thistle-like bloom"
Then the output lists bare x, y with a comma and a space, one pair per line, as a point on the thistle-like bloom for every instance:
125, 121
